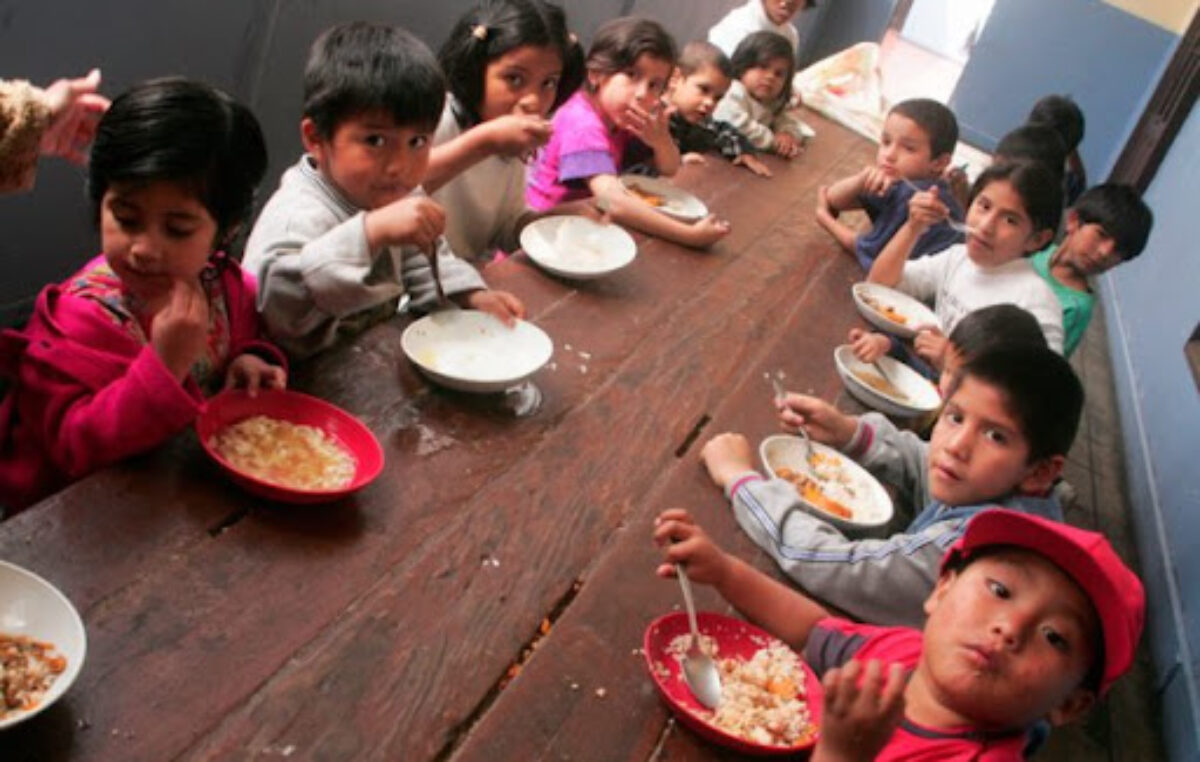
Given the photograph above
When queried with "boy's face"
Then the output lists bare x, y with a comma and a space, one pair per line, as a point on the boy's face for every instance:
523, 81
370, 158
1088, 249
696, 95
904, 150
1002, 230
1009, 640
642, 86
978, 451
782, 11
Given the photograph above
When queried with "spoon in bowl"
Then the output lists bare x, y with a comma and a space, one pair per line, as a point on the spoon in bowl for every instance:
780, 394
699, 670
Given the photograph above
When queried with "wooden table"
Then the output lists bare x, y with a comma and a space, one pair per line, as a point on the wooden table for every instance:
381, 628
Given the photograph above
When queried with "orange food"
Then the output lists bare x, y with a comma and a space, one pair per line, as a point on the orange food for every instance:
652, 199
812, 494
28, 667
886, 310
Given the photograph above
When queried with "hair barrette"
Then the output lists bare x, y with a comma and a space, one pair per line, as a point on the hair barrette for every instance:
572, 38
479, 32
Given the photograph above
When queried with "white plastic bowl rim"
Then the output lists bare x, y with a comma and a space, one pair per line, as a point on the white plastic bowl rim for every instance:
576, 247
921, 392
677, 202
473, 351
917, 313
874, 510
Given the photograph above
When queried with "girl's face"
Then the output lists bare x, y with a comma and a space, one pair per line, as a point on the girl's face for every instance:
765, 82
640, 86
155, 234
523, 81
1002, 229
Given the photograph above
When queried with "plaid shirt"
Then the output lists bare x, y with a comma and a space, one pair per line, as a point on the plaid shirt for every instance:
709, 135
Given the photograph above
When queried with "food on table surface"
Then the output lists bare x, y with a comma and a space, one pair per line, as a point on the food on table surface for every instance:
762, 697
880, 384
290, 455
28, 668
887, 310
827, 485
653, 199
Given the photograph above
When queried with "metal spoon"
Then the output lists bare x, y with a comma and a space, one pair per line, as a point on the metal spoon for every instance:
780, 393
954, 224
699, 670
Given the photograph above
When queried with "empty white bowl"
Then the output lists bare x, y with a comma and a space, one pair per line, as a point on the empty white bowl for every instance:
576, 247
917, 394
474, 352
31, 606
871, 297
675, 202
871, 506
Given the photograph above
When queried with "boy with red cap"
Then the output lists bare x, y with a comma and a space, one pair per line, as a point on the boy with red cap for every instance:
1031, 621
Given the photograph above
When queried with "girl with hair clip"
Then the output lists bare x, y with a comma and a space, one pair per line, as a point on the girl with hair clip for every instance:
119, 357
617, 121
758, 100
508, 63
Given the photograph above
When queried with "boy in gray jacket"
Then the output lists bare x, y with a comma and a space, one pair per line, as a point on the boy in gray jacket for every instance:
1000, 441
349, 231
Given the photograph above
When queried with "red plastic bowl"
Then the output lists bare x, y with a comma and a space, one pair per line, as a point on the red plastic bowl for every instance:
232, 406
734, 638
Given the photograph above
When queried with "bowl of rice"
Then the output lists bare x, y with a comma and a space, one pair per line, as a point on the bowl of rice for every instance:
770, 699
289, 446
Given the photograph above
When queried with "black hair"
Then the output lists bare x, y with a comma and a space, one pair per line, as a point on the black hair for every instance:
184, 131
620, 42
1033, 142
995, 327
1041, 392
759, 49
495, 27
359, 67
1120, 210
935, 119
698, 54
1061, 114
1039, 187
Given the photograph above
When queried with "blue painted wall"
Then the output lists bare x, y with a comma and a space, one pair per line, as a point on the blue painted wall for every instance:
1105, 58
1152, 308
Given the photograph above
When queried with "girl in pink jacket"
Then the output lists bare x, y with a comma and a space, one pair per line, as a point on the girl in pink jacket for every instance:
119, 357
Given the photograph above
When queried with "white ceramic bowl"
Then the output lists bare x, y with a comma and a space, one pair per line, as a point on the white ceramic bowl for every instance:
576, 247
871, 507
920, 396
29, 605
474, 352
915, 313
676, 202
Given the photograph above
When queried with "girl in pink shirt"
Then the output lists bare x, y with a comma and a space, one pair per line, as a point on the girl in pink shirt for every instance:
119, 357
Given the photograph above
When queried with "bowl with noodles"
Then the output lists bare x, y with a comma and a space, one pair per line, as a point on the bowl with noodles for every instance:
42, 644
831, 486
770, 699
907, 394
289, 446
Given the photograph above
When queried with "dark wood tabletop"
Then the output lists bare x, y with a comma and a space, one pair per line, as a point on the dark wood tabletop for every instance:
386, 626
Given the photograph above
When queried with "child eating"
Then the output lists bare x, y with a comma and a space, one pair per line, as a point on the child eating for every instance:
1029, 621
915, 147
349, 231
1000, 440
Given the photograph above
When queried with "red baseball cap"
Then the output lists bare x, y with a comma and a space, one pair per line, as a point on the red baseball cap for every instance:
1086, 557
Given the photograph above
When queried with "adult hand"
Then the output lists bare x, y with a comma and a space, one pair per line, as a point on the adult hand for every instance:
75, 110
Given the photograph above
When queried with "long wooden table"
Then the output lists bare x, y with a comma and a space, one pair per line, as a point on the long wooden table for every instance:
382, 627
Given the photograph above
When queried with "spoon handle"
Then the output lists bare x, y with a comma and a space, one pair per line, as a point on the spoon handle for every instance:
686, 585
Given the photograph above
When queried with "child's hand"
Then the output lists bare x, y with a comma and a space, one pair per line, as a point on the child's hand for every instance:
786, 145
875, 181
857, 721
651, 127
926, 209
75, 110
517, 135
499, 303
691, 157
727, 456
930, 345
683, 542
752, 163
251, 372
707, 231
869, 346
413, 221
823, 422
179, 331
